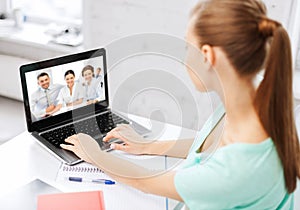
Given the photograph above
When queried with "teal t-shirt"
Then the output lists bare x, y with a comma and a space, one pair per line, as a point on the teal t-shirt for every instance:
236, 176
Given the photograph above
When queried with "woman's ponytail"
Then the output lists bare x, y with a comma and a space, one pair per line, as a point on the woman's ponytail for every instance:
274, 100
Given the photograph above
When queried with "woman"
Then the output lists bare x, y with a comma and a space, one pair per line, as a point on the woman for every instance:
71, 94
256, 163
93, 90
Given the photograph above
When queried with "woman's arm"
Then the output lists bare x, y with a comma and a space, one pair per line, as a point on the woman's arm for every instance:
150, 181
162, 185
136, 144
173, 148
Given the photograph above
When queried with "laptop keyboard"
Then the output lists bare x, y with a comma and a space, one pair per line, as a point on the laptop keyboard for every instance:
96, 127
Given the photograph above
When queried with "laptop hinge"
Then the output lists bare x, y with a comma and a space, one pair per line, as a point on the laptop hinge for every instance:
69, 121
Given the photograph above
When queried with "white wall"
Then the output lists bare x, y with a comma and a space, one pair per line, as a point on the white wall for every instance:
108, 20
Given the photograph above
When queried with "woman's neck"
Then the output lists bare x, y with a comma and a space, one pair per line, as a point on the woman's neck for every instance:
71, 88
242, 123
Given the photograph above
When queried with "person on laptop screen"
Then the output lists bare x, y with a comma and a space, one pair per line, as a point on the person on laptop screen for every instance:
92, 86
99, 76
246, 156
44, 100
72, 93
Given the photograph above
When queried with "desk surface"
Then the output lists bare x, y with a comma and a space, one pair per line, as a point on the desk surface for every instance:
22, 160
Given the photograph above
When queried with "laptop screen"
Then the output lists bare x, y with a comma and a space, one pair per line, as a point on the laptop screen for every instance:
55, 89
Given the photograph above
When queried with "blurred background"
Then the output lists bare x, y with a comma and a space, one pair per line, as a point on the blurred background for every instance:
32, 30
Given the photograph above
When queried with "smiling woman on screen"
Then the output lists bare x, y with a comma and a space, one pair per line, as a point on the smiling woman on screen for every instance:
256, 162
71, 94
92, 86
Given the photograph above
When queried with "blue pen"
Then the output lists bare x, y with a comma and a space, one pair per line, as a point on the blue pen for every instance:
99, 181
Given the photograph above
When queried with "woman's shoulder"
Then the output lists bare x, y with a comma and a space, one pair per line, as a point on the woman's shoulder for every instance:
238, 162
252, 173
250, 156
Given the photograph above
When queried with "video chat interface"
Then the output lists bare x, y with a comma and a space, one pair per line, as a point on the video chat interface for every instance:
66, 87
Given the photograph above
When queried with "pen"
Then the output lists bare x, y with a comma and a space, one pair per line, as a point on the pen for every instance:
99, 181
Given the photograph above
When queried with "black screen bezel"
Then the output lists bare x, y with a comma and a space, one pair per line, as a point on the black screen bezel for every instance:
65, 117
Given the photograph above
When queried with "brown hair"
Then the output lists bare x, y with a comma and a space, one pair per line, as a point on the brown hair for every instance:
88, 67
251, 41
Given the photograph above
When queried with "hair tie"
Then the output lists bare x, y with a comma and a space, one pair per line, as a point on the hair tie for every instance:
267, 27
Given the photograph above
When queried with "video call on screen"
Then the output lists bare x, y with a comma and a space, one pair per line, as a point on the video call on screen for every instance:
66, 87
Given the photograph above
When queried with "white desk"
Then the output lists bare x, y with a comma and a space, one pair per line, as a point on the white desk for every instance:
22, 160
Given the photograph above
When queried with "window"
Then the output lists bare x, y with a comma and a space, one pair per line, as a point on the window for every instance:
45, 11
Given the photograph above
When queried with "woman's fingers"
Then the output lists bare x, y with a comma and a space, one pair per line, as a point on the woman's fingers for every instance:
110, 135
72, 139
115, 133
75, 146
67, 147
122, 147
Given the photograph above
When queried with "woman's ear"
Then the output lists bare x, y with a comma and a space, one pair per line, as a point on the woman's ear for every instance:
208, 53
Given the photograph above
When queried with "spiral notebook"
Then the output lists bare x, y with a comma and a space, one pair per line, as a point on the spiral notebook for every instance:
83, 170
124, 192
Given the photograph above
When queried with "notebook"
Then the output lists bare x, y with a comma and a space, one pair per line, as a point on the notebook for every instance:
116, 196
92, 200
126, 194
54, 112
82, 170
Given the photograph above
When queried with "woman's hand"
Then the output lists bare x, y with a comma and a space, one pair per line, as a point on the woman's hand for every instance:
133, 142
76, 146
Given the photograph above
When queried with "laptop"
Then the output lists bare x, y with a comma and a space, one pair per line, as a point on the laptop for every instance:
67, 95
